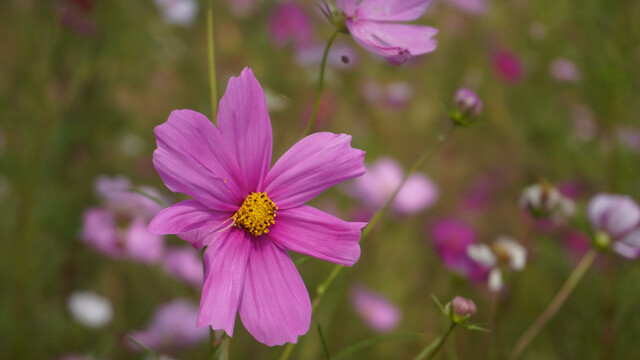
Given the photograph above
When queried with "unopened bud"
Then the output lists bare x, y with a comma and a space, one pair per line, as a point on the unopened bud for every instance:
468, 102
463, 307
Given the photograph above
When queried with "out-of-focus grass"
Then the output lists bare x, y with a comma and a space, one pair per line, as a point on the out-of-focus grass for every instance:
68, 103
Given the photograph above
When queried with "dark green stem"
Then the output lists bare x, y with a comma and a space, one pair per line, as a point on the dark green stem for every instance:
432, 350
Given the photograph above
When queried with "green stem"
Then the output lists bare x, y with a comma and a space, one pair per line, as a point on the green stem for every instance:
323, 64
555, 304
322, 288
212, 63
432, 350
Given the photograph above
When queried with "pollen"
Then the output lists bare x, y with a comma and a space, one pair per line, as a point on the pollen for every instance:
256, 214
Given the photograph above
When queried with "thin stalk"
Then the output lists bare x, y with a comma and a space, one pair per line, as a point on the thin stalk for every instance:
212, 63
322, 288
555, 304
433, 351
323, 64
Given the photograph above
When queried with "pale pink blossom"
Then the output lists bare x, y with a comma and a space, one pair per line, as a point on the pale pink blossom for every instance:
376, 311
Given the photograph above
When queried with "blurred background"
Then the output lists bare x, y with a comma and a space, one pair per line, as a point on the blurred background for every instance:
84, 82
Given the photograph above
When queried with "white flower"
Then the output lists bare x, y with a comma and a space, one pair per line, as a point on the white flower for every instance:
543, 200
180, 12
516, 253
90, 309
481, 253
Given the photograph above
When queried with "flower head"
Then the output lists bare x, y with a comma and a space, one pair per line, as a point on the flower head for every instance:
372, 23
249, 215
380, 181
508, 67
545, 201
375, 310
118, 228
185, 264
179, 12
463, 307
564, 70
616, 220
173, 326
451, 239
503, 254
290, 23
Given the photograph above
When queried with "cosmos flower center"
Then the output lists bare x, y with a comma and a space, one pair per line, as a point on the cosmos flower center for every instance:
256, 214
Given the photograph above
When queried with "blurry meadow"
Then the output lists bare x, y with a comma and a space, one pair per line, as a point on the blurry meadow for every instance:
83, 83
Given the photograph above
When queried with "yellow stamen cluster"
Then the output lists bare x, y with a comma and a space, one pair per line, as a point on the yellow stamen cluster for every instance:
256, 214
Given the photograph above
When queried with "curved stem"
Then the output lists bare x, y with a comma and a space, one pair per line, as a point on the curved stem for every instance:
323, 64
555, 304
432, 349
212, 63
322, 288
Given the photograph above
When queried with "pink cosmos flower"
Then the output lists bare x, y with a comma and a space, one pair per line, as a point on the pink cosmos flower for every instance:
375, 310
451, 239
290, 23
248, 216
372, 25
119, 227
508, 67
618, 218
382, 178
564, 70
185, 264
173, 326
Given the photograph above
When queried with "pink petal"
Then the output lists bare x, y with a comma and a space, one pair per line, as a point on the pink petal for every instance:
598, 205
418, 193
392, 10
275, 304
192, 221
312, 165
632, 238
396, 42
312, 232
244, 123
225, 266
141, 245
348, 7
191, 158
625, 250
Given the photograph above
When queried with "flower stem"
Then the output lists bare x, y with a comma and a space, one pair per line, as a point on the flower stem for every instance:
432, 349
323, 64
555, 304
322, 288
212, 63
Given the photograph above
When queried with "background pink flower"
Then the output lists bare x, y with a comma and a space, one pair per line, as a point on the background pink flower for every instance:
375, 310
451, 238
185, 264
372, 25
173, 326
507, 66
618, 217
382, 177
289, 23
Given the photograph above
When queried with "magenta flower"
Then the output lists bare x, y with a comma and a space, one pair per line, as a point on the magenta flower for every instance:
451, 239
290, 23
616, 219
372, 25
382, 177
508, 67
248, 215
375, 310
118, 228
173, 326
185, 264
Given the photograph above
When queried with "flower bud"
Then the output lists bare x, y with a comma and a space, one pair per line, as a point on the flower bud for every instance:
468, 102
463, 307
